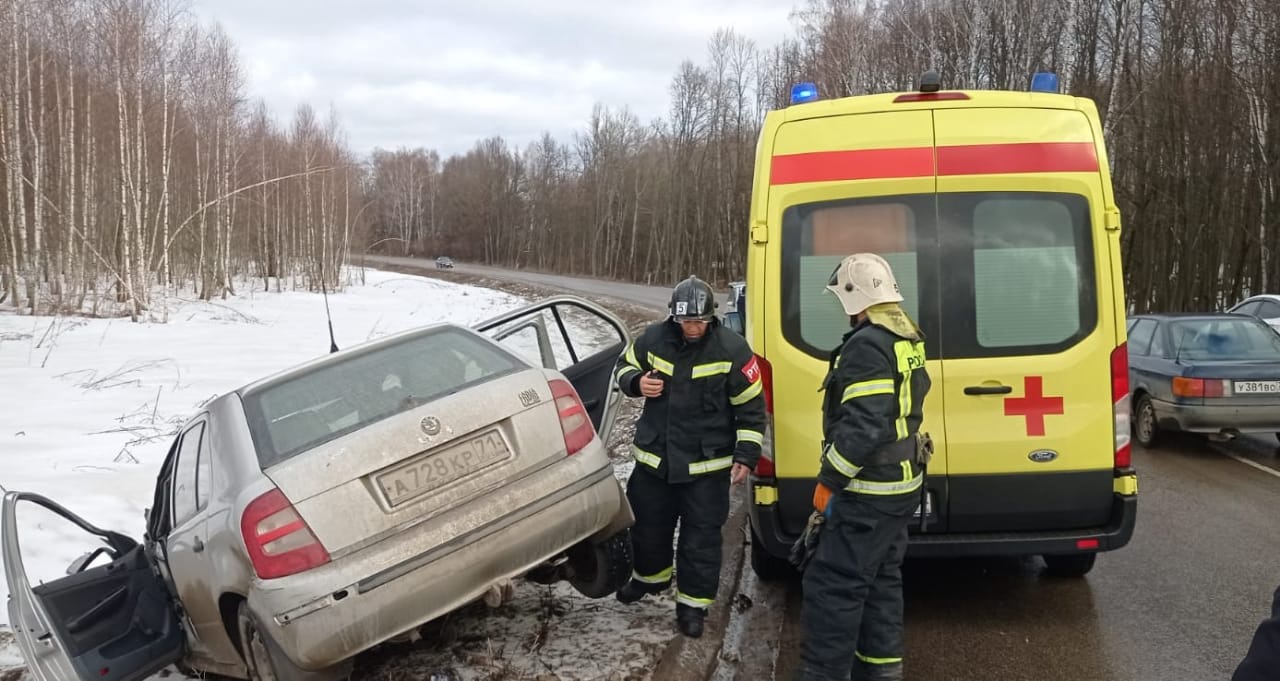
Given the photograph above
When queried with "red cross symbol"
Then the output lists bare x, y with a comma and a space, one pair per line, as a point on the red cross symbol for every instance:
1033, 405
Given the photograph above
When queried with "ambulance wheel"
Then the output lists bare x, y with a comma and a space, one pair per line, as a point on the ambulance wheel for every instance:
1145, 428
1070, 565
768, 567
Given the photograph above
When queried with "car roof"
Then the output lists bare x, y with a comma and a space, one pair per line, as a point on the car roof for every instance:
1191, 316
1260, 296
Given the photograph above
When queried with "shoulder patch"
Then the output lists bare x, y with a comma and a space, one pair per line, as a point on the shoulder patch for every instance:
752, 369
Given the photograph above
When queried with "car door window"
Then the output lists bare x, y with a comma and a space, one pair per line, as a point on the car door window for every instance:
184, 475
1140, 339
1250, 308
1158, 346
204, 473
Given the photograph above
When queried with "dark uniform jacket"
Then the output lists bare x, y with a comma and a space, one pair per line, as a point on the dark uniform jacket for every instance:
1262, 662
872, 409
711, 413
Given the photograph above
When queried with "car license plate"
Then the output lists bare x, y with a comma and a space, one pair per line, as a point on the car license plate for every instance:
1248, 387
434, 470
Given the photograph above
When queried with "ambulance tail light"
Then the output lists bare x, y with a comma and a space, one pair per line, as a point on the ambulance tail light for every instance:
766, 377
1121, 413
930, 97
765, 467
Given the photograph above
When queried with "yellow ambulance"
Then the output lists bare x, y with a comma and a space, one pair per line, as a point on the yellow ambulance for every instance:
996, 211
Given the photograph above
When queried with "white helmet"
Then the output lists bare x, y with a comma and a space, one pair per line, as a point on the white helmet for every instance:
862, 280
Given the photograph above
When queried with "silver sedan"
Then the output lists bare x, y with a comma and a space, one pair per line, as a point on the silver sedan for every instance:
311, 515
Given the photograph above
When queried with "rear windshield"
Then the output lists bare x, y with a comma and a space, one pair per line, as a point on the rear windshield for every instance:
984, 273
301, 412
1224, 340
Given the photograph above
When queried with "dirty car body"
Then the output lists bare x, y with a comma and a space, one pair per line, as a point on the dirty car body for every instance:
314, 514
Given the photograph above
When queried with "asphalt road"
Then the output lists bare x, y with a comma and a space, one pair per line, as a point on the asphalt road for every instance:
648, 296
1179, 602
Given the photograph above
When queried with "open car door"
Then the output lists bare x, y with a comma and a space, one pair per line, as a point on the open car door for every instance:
576, 337
112, 622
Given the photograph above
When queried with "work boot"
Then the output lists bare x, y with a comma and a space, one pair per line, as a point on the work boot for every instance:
689, 620
631, 592
865, 671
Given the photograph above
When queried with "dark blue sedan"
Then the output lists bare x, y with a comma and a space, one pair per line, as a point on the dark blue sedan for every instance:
1206, 373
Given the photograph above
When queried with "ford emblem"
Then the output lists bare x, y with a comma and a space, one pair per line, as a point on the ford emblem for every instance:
1043, 455
431, 425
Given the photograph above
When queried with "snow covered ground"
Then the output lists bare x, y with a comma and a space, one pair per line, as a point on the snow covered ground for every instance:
91, 405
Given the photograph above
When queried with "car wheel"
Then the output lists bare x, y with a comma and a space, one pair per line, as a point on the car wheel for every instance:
1070, 565
265, 661
597, 569
1145, 428
768, 567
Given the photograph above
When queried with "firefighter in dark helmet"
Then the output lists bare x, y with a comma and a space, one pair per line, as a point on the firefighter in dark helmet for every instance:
701, 430
870, 482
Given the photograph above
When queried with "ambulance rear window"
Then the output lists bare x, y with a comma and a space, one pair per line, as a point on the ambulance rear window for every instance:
817, 236
984, 274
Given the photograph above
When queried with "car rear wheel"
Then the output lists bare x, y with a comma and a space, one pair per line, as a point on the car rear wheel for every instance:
597, 569
1145, 428
265, 661
1070, 565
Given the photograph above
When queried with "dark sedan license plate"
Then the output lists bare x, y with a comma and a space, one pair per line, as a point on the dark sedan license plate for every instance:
1255, 387
437, 469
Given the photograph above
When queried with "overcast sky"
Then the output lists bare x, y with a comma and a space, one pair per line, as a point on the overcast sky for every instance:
446, 73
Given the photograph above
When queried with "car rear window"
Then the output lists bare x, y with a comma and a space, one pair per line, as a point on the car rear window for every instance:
302, 411
985, 274
1224, 340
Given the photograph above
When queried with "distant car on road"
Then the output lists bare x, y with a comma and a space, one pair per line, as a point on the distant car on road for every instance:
1206, 373
444, 262
1265, 307
313, 514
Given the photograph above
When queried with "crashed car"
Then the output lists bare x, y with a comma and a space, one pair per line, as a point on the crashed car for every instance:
311, 515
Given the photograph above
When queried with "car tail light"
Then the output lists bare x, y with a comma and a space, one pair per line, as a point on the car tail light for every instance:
1121, 412
1199, 387
1087, 544
574, 421
278, 539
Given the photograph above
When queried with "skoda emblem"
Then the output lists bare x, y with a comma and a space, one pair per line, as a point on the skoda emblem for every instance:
1043, 455
431, 425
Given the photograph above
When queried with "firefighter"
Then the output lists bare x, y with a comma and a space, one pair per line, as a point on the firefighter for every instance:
1262, 662
701, 429
870, 482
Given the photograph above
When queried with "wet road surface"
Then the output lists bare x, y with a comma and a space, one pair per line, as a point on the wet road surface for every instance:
1181, 601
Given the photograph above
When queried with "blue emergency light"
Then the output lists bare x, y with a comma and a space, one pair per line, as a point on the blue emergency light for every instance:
804, 92
1044, 82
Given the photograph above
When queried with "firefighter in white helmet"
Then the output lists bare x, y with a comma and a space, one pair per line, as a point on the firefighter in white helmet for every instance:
870, 483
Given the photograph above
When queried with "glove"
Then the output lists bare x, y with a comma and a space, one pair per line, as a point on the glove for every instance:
822, 499
807, 545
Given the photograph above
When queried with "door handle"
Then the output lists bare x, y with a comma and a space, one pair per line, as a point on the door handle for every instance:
197, 545
987, 390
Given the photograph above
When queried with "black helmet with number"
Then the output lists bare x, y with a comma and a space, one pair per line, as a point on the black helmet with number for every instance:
692, 300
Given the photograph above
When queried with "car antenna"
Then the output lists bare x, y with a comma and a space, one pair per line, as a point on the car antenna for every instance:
333, 344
